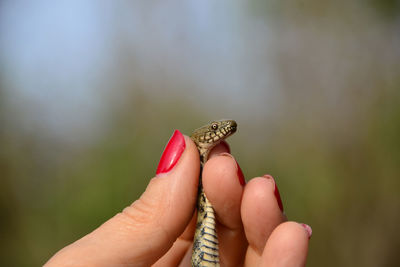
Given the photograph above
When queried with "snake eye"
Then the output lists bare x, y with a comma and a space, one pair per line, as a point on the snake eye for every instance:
214, 126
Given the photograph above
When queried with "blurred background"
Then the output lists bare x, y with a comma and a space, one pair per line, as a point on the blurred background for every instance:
90, 92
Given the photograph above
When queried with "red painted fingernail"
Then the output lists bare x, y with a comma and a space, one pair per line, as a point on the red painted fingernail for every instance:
240, 175
172, 152
308, 229
268, 176
278, 196
225, 144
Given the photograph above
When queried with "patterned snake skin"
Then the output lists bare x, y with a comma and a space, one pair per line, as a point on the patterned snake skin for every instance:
205, 244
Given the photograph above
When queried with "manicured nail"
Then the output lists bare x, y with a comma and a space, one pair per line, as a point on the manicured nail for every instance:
172, 152
268, 177
225, 144
276, 192
278, 197
308, 229
240, 175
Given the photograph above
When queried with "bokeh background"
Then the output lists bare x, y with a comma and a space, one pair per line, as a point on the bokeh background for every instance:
90, 92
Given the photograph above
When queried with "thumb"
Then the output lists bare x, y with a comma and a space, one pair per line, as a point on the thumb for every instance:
145, 230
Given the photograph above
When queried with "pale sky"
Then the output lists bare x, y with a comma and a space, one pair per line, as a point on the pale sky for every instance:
57, 55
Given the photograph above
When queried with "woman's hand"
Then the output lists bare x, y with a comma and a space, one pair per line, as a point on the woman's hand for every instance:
157, 229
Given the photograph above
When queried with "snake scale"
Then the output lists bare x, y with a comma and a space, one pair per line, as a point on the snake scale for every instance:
205, 243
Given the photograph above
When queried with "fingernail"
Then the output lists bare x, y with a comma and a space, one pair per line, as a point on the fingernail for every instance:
225, 144
278, 197
276, 192
308, 229
172, 152
268, 177
240, 175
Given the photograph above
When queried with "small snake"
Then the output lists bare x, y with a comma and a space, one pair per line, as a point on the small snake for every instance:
205, 243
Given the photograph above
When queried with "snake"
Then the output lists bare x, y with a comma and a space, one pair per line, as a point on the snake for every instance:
205, 243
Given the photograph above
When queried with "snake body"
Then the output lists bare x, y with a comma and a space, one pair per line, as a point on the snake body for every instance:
205, 243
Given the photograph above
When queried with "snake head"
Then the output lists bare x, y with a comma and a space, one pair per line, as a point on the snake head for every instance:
211, 134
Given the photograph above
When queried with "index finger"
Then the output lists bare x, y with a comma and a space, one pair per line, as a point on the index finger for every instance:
223, 186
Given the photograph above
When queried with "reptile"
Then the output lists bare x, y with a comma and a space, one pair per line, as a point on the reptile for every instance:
205, 243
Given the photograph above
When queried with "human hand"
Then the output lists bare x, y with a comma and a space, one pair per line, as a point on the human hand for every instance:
157, 229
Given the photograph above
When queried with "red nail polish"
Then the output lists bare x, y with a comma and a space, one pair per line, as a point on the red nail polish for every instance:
278, 197
240, 175
225, 144
268, 177
172, 152
308, 229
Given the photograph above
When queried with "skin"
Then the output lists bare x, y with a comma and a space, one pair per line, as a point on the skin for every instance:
251, 228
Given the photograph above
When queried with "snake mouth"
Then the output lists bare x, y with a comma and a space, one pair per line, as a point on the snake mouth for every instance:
234, 126
226, 129
231, 128
213, 133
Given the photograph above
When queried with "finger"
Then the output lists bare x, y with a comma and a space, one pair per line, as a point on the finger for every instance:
261, 213
223, 185
287, 246
183, 244
147, 229
222, 147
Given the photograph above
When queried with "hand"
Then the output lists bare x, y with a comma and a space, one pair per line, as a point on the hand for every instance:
158, 228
